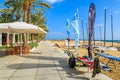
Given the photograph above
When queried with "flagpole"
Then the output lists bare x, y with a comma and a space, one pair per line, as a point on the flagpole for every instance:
68, 42
104, 25
112, 29
68, 32
87, 30
100, 34
83, 32
94, 36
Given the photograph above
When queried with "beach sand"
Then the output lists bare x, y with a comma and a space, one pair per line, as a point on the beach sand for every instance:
114, 73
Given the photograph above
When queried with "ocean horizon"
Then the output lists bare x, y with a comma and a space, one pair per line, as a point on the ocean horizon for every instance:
84, 40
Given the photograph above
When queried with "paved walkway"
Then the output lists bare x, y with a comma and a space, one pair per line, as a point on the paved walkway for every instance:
46, 63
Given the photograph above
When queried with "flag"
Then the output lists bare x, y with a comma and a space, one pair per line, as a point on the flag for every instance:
68, 26
91, 15
75, 25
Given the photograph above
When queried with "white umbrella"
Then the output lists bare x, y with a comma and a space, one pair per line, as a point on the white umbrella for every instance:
4, 28
20, 27
37, 29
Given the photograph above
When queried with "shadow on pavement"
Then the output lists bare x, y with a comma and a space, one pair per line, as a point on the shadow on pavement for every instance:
71, 73
44, 57
54, 63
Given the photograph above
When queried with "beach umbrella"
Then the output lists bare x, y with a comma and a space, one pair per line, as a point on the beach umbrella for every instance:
75, 24
91, 16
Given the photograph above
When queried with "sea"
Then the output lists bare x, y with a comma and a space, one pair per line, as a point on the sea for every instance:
117, 41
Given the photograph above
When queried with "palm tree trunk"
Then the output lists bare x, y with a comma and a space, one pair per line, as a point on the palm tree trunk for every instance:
25, 20
28, 17
29, 12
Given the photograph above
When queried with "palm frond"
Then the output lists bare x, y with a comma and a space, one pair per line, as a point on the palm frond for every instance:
43, 4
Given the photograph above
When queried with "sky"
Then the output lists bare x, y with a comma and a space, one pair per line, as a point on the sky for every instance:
61, 10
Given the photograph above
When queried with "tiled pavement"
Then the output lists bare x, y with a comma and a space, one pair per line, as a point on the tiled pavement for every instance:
45, 63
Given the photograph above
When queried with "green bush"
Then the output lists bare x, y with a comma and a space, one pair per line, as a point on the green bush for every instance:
33, 45
3, 47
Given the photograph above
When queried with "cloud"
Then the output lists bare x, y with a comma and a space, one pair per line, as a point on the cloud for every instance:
117, 12
53, 1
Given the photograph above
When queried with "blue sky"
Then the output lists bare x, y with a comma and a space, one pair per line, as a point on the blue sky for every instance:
62, 10
65, 9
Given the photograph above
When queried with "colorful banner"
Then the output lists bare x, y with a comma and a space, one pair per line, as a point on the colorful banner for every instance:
92, 14
68, 32
68, 26
75, 24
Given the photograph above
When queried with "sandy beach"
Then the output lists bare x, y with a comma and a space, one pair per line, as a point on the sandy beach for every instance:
114, 73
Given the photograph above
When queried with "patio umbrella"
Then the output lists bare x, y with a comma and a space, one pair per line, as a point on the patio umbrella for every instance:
20, 27
4, 28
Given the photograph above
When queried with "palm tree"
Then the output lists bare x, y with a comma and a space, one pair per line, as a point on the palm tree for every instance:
15, 6
33, 5
39, 19
5, 18
19, 8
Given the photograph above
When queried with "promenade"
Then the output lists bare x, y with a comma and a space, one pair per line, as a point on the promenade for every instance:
46, 62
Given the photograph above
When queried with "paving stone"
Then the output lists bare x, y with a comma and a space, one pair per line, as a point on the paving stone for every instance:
48, 77
25, 72
23, 78
6, 73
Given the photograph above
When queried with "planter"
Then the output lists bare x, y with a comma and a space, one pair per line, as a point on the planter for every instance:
17, 49
13, 50
8, 51
26, 50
